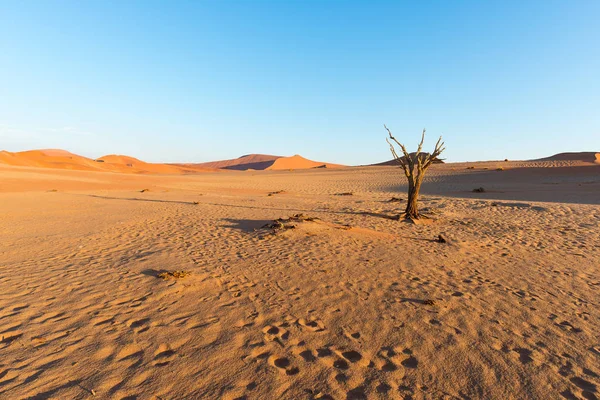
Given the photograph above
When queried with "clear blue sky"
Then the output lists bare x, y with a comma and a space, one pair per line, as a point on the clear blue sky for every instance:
206, 80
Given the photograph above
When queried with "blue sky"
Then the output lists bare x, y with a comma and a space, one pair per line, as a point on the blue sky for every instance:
204, 80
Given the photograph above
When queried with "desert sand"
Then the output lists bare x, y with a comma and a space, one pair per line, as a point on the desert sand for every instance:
349, 305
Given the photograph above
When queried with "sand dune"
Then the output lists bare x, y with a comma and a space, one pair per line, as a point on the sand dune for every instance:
250, 161
50, 158
120, 163
393, 162
61, 159
266, 162
584, 156
299, 162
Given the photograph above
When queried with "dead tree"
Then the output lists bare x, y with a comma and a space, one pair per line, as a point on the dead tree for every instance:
414, 166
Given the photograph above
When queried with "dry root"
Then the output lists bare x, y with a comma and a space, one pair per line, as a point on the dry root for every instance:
282, 224
170, 275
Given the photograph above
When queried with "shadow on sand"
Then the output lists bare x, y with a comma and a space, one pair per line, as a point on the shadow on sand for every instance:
138, 199
246, 225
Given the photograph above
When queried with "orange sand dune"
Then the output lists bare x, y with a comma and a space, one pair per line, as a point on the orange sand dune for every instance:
250, 161
264, 162
50, 158
62, 159
121, 163
299, 162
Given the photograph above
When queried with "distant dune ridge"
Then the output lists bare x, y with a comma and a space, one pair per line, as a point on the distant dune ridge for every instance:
394, 162
585, 156
250, 161
266, 162
62, 159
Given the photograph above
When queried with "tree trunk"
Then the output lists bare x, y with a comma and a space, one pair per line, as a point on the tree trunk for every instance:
412, 210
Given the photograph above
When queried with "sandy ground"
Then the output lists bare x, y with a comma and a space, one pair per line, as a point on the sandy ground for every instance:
350, 306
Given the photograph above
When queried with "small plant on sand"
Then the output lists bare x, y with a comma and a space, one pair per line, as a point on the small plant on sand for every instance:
414, 165
281, 224
167, 276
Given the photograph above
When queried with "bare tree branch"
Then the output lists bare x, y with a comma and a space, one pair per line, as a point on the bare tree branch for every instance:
407, 162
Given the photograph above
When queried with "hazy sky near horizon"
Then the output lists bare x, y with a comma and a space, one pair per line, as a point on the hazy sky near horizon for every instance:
197, 81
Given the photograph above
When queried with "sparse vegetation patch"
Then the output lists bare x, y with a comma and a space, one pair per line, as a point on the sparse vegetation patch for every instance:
172, 275
282, 224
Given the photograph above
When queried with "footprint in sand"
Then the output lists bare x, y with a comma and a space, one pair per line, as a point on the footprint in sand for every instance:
140, 325
411, 361
352, 356
313, 325
163, 355
386, 358
341, 364
351, 335
307, 355
283, 365
524, 355
567, 326
356, 394
383, 388
276, 332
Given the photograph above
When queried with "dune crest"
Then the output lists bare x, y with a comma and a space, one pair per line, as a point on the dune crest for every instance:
299, 162
584, 156
62, 159
249, 161
261, 162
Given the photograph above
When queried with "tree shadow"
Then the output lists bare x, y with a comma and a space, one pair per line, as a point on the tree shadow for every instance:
138, 199
552, 185
153, 272
300, 210
416, 301
246, 225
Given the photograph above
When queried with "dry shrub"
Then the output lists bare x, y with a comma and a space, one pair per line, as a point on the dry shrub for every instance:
171, 275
